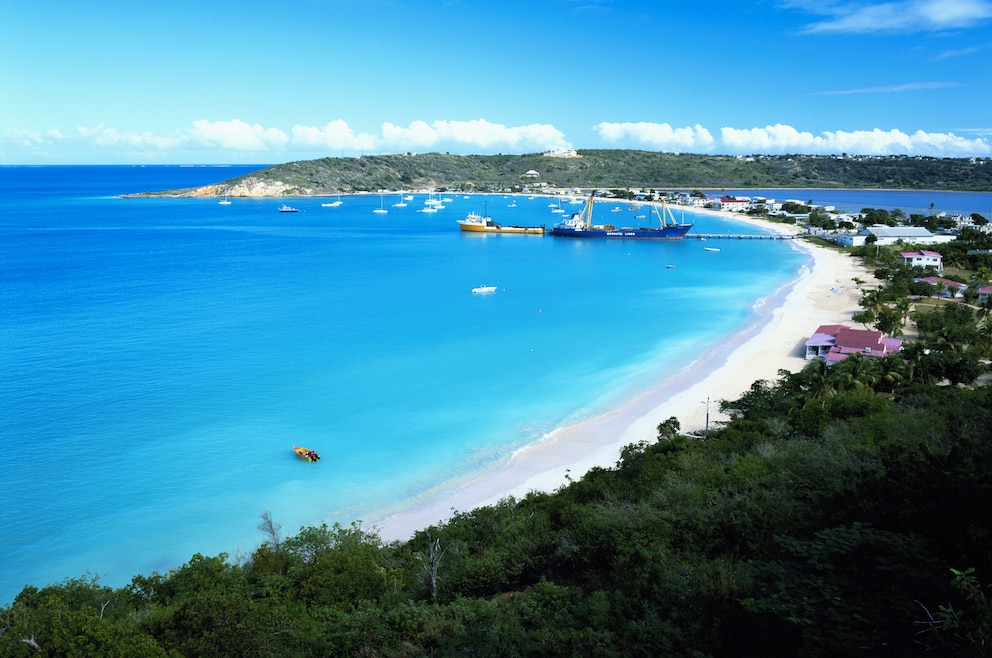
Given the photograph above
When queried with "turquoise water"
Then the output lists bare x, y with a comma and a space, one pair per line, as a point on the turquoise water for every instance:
161, 356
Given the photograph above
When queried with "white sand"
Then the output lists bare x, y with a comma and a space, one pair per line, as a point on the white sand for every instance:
774, 341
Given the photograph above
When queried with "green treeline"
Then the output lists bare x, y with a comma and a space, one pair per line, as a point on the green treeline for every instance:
624, 169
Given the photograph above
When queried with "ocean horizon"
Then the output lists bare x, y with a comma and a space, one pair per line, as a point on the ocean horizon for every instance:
162, 356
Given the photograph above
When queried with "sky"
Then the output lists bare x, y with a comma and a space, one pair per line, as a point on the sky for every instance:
252, 82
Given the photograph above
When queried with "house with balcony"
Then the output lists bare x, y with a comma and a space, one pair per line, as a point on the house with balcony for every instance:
930, 260
836, 342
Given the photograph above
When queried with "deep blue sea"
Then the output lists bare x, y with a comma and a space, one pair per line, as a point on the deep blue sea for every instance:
160, 357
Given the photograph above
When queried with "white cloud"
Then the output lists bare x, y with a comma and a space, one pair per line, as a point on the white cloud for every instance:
656, 135
786, 139
236, 135
334, 135
477, 135
888, 89
902, 16
32, 138
104, 137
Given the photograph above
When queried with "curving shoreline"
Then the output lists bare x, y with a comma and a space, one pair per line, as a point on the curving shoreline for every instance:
772, 341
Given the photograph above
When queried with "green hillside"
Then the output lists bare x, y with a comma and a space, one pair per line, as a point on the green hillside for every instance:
612, 169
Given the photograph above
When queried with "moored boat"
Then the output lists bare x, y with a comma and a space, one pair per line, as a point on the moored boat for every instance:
285, 208
474, 223
580, 225
306, 454
484, 289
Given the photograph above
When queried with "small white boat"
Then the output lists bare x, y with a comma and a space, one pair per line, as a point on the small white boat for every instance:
285, 208
333, 204
380, 210
711, 249
484, 289
225, 201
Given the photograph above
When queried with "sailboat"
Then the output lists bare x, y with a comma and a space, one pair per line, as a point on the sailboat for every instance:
380, 210
333, 204
400, 204
225, 201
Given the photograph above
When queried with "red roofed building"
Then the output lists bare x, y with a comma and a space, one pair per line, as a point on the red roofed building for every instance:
835, 342
733, 204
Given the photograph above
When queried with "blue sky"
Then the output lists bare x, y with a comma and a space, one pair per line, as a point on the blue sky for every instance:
218, 81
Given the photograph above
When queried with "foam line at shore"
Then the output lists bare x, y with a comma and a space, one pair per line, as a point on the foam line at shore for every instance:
771, 341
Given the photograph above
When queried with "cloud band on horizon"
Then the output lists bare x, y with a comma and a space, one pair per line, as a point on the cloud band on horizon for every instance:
480, 136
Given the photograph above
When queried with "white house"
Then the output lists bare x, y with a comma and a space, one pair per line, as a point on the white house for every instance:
732, 204
923, 258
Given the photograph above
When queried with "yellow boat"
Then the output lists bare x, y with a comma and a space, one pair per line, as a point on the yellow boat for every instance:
474, 223
306, 454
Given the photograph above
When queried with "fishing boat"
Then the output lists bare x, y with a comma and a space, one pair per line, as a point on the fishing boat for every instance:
306, 454
580, 225
474, 223
285, 208
484, 289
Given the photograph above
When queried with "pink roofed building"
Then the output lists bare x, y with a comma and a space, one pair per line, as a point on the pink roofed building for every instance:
923, 258
836, 342
949, 288
984, 293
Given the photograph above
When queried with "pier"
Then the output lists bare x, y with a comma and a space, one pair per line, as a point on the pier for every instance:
739, 236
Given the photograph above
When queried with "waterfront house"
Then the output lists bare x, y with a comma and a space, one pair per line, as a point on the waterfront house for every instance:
947, 287
923, 258
836, 342
734, 204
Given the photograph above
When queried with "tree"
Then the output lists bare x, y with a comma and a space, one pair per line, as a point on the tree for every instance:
669, 429
430, 561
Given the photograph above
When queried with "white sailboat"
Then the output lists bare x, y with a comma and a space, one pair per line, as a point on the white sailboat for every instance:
333, 204
380, 210
225, 201
401, 203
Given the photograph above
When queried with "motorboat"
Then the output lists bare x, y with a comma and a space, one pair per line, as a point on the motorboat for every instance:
484, 289
306, 454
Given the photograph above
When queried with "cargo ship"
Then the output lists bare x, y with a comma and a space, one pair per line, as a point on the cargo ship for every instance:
580, 225
474, 223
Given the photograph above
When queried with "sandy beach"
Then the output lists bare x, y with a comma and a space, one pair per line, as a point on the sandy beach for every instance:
823, 293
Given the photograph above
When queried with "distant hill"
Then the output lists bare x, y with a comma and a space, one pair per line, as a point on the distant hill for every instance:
596, 169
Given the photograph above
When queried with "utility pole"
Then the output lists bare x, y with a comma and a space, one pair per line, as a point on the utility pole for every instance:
707, 432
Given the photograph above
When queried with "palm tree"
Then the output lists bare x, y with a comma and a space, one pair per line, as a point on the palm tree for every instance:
892, 371
855, 373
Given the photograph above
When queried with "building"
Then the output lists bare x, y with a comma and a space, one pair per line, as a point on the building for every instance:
984, 293
836, 342
923, 258
947, 287
890, 235
733, 204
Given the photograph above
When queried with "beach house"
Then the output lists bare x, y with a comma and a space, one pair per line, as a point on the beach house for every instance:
734, 204
946, 287
836, 342
923, 258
